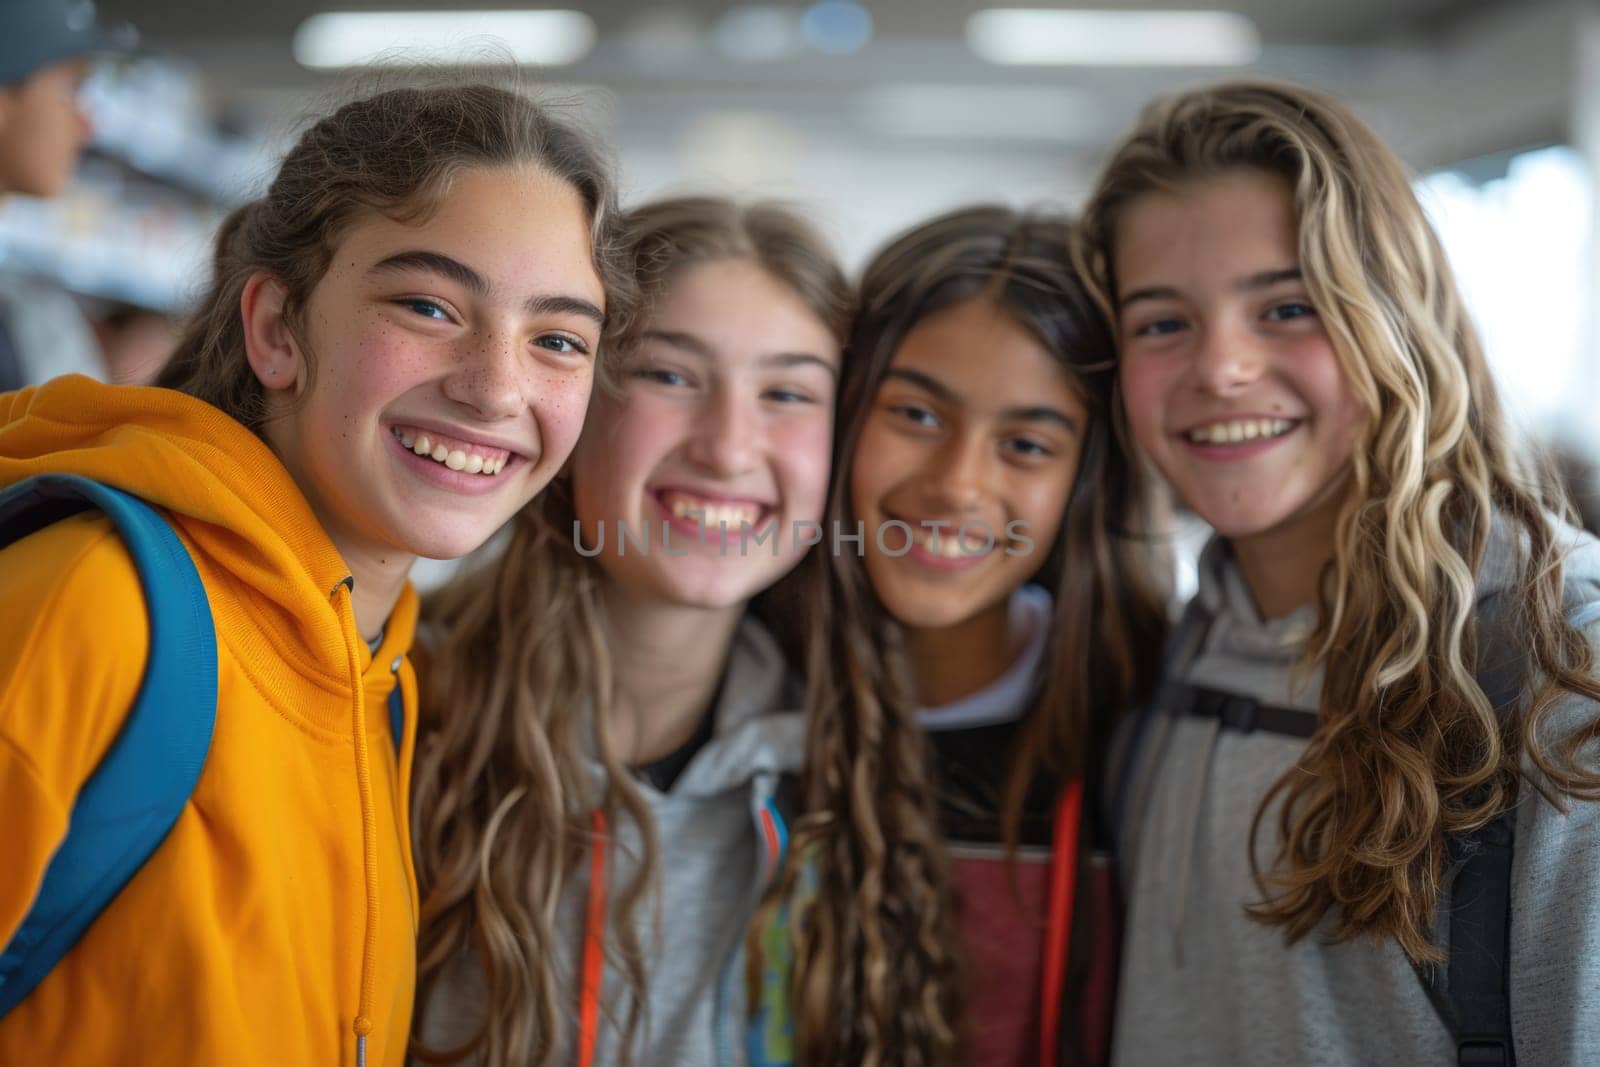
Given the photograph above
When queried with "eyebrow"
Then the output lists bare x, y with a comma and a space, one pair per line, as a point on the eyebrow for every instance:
799, 359
695, 346
555, 304
434, 263
454, 270
1265, 279
930, 384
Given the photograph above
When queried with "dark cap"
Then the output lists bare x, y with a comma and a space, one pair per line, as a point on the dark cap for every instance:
37, 33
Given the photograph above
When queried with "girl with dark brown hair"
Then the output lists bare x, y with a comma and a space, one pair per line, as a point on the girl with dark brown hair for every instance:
990, 614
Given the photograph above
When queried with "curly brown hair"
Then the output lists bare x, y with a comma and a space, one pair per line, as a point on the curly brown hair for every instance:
520, 672
394, 151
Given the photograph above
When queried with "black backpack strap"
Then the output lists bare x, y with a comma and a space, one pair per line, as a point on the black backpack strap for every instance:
1114, 793
1475, 1000
1244, 714
1478, 986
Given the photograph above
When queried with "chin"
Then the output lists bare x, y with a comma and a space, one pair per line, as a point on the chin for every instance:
443, 544
702, 587
1236, 527
927, 613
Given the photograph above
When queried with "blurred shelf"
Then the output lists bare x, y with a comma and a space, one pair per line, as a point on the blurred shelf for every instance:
136, 224
113, 236
153, 115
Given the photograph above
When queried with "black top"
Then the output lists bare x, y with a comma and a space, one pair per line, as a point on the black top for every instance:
663, 773
973, 766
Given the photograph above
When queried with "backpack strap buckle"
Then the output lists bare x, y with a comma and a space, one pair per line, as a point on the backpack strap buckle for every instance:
1483, 1052
1233, 710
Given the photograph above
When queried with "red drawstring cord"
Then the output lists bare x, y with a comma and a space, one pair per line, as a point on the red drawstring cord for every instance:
1058, 932
594, 959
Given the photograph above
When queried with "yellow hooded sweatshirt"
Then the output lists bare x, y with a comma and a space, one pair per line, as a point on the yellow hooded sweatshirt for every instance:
278, 920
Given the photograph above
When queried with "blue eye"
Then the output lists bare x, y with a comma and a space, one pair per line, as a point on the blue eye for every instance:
1291, 310
660, 376
556, 342
1159, 327
426, 308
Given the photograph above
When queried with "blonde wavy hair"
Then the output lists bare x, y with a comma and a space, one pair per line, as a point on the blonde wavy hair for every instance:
1408, 749
518, 676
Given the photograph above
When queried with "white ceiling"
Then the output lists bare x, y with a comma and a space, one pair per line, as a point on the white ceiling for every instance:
915, 120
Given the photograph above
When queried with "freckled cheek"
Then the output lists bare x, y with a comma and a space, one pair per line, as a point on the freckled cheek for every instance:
561, 405
383, 356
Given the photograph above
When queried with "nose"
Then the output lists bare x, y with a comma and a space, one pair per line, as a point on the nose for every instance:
1227, 358
489, 376
727, 438
956, 480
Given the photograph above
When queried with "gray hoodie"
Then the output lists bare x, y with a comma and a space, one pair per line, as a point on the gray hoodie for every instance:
719, 834
1202, 983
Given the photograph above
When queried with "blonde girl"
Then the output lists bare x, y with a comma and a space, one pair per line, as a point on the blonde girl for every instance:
1359, 823
392, 358
598, 805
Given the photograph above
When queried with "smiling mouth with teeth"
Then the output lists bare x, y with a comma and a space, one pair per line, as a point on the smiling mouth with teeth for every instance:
732, 515
1238, 431
950, 543
471, 459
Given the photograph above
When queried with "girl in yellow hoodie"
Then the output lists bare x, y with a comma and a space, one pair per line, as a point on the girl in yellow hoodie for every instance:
394, 356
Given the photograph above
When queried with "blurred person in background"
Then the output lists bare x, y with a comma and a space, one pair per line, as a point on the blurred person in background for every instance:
45, 52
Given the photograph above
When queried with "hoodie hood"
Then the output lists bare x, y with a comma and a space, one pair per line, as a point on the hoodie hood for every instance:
1236, 627
1192, 956
224, 489
333, 776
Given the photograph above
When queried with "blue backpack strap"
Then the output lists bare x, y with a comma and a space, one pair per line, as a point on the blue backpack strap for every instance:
397, 718
132, 799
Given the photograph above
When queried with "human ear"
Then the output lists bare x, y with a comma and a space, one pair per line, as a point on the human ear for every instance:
269, 344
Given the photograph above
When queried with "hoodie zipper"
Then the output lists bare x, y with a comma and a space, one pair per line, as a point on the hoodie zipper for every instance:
773, 834
362, 1025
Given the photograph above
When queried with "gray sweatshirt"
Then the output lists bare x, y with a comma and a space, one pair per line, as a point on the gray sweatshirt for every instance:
1203, 984
717, 829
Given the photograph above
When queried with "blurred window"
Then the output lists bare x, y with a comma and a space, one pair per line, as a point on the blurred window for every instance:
1517, 229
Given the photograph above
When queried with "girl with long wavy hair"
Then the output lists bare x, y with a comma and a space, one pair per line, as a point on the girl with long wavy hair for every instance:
992, 619
392, 358
608, 719
1360, 822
